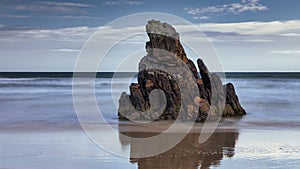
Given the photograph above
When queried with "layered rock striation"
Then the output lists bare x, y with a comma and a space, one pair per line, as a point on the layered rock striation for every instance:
169, 85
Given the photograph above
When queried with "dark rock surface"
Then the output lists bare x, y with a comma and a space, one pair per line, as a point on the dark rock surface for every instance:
186, 95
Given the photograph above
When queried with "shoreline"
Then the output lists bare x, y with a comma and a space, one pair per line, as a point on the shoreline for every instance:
155, 127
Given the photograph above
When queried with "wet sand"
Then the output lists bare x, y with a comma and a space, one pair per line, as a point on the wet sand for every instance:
228, 147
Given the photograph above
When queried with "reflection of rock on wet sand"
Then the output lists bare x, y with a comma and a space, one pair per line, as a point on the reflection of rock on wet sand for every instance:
189, 153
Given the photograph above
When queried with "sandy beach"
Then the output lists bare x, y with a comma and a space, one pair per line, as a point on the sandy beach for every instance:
228, 147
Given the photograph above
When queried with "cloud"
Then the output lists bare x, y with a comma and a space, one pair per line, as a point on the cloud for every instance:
79, 17
259, 40
274, 28
66, 4
70, 17
246, 32
123, 2
13, 16
234, 8
134, 2
239, 39
290, 52
80, 33
51, 16
48, 6
65, 50
13, 27
291, 34
201, 17
240, 42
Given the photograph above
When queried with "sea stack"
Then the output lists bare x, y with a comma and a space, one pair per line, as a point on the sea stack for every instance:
170, 67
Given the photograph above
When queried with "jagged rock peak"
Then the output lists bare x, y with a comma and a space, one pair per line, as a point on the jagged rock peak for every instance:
156, 27
164, 36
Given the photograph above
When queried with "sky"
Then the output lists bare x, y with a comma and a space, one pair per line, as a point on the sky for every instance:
248, 35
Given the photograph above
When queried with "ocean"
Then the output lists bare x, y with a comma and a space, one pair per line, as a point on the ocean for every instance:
28, 99
41, 103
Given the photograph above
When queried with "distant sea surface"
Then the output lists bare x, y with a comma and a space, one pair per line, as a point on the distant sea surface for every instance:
33, 99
